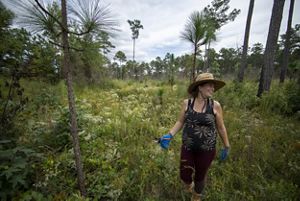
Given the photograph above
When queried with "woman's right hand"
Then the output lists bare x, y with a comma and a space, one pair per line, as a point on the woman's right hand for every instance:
165, 140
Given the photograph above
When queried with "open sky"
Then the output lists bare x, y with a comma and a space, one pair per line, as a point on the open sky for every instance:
164, 20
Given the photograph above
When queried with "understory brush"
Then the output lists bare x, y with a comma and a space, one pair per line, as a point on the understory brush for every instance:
118, 125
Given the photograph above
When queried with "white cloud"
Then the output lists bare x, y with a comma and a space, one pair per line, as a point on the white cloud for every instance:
163, 20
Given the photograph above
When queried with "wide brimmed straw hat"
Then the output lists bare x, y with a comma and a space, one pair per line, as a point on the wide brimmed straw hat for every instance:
203, 78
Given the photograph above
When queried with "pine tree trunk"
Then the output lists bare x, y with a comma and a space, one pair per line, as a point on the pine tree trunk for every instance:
194, 65
206, 58
71, 100
133, 50
246, 40
286, 51
269, 55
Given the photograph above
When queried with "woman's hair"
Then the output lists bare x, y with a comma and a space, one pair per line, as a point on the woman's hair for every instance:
194, 93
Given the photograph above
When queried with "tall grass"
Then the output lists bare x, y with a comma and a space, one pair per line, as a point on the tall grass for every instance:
119, 122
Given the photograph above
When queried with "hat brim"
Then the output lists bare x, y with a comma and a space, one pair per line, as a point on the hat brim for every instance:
218, 84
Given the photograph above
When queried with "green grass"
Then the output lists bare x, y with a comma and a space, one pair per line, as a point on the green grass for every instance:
118, 122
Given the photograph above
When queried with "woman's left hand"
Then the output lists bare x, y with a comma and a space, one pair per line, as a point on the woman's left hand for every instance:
224, 153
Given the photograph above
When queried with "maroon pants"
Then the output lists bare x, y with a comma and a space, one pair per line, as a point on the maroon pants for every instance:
194, 166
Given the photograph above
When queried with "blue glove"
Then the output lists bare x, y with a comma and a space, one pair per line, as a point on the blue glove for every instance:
224, 153
165, 140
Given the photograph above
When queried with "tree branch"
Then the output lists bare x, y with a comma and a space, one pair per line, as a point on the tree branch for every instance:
81, 33
60, 24
59, 45
45, 11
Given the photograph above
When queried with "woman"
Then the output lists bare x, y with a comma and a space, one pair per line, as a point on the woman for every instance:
201, 118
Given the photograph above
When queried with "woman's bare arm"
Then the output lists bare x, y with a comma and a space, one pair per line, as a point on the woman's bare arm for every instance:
220, 123
180, 121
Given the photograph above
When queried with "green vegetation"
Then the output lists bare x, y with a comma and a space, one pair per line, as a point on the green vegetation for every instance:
117, 126
117, 120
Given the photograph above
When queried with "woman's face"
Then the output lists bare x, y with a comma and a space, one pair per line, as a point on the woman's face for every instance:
207, 89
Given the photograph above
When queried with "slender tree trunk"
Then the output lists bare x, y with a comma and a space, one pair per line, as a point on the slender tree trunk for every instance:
246, 40
135, 70
122, 72
87, 71
194, 65
133, 57
286, 50
133, 50
205, 58
71, 100
268, 66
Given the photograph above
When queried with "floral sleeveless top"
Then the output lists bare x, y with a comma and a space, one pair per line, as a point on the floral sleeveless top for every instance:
199, 131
